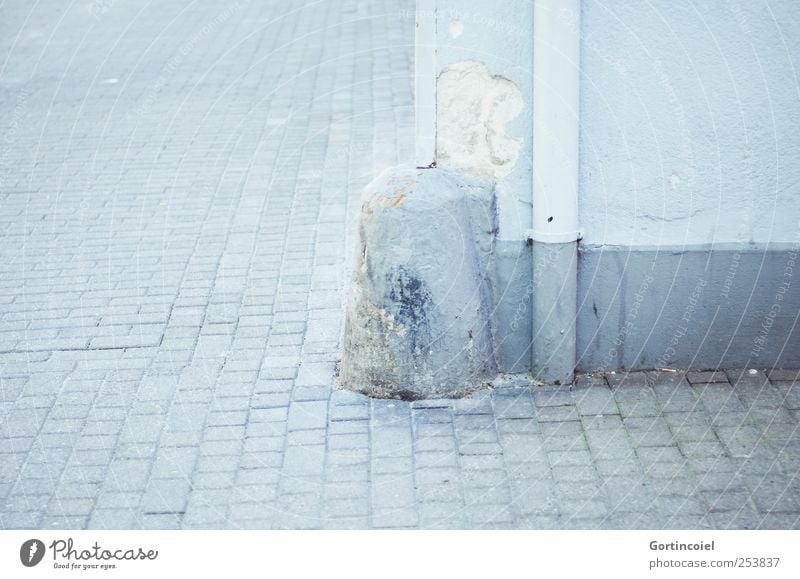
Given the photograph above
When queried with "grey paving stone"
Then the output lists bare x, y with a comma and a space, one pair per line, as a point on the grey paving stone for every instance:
790, 391
475, 422
676, 397
487, 495
574, 473
213, 480
306, 437
435, 459
557, 414
779, 521
742, 519
669, 470
166, 496
267, 400
624, 379
782, 375
258, 476
113, 519
475, 448
617, 466
676, 507
261, 460
475, 405
355, 510
440, 444
727, 501
432, 416
742, 441
174, 463
657, 435
775, 494
304, 461
551, 396
597, 400
392, 491
526, 448
576, 511
570, 458
693, 433
309, 393
637, 401
127, 475
564, 443
349, 413
556, 429
472, 479
706, 377
655, 454
718, 398
604, 422
391, 465
394, 518
160, 521
628, 494
511, 404
391, 442
711, 449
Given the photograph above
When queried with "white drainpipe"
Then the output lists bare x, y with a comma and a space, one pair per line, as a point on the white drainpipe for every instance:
555, 233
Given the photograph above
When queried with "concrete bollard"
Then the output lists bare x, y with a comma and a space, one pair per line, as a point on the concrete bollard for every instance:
419, 314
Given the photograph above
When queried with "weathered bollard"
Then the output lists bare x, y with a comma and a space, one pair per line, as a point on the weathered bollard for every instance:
419, 315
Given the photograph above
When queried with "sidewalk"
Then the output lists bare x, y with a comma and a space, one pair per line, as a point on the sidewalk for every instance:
175, 186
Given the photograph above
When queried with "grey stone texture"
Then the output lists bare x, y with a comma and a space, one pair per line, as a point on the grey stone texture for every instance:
419, 320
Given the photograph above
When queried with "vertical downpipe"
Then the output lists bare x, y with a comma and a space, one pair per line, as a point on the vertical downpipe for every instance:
425, 83
555, 233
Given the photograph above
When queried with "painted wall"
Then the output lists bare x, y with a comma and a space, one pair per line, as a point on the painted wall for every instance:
689, 178
689, 184
690, 122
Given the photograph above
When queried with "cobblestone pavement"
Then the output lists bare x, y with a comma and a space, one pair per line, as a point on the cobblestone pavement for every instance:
176, 183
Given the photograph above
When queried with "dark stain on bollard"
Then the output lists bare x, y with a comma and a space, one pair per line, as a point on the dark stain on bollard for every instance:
412, 299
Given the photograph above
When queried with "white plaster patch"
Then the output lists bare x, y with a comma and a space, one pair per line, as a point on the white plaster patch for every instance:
472, 109
456, 28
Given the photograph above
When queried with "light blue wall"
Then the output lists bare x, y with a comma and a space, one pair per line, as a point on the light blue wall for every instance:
690, 122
